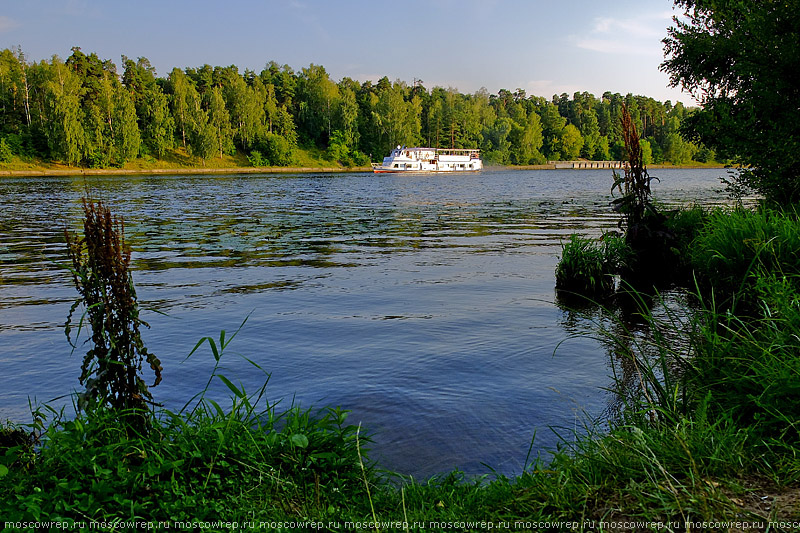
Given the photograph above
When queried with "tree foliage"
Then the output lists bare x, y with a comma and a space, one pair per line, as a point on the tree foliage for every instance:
741, 61
82, 112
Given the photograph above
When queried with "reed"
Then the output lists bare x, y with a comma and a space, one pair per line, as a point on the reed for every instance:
737, 247
587, 267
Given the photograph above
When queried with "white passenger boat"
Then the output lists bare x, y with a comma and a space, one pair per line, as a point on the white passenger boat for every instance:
404, 159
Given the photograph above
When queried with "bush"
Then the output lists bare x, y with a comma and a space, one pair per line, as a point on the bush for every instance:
257, 160
6, 153
276, 149
359, 159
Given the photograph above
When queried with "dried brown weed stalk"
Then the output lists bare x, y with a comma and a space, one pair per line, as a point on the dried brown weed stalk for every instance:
100, 269
634, 184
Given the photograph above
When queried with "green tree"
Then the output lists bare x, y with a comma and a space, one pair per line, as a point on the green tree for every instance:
157, 123
497, 146
220, 122
571, 142
6, 154
14, 92
602, 150
284, 126
678, 151
397, 121
319, 97
127, 139
590, 131
98, 125
740, 60
183, 98
246, 108
270, 106
347, 117
62, 120
552, 127
204, 140
526, 141
279, 151
647, 152
435, 121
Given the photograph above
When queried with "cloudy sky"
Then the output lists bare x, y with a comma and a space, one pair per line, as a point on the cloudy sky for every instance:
545, 47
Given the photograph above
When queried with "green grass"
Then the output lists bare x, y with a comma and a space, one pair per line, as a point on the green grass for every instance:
304, 157
203, 466
737, 247
587, 267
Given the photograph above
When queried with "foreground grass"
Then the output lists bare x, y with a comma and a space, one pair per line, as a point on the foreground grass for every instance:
707, 437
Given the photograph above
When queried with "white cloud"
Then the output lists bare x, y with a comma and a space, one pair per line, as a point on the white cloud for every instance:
7, 23
640, 35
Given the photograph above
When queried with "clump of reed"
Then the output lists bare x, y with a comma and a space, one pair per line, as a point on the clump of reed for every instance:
708, 400
648, 256
588, 267
737, 247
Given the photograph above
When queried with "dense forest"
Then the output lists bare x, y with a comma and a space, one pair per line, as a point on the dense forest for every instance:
82, 111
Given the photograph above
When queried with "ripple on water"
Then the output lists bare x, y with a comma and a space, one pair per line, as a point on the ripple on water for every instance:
422, 303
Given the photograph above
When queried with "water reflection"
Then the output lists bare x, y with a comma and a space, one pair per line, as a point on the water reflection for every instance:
645, 335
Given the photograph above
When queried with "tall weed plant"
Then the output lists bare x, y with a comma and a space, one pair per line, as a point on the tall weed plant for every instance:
101, 273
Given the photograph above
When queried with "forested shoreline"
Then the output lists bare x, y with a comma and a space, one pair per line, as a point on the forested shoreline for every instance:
86, 112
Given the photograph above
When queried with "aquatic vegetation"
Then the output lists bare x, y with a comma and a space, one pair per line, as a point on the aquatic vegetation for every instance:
736, 247
588, 267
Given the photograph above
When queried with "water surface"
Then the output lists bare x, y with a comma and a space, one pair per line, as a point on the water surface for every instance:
424, 304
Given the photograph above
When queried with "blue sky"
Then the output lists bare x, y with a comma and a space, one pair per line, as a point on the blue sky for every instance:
545, 47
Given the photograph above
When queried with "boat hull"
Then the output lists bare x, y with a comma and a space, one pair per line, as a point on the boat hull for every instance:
404, 160
384, 170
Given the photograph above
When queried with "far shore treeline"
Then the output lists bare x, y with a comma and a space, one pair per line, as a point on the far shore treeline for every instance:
85, 111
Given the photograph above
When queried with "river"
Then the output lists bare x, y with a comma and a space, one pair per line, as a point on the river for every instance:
424, 304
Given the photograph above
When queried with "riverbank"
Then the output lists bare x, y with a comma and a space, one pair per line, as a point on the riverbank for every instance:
176, 171
59, 170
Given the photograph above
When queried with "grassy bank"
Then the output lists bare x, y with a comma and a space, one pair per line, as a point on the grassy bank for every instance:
179, 162
707, 430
